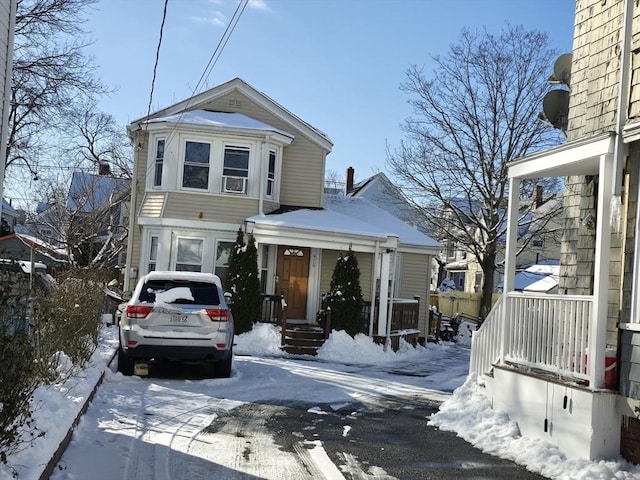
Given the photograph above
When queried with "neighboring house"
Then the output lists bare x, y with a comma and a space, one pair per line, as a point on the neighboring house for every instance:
9, 218
539, 228
17, 246
549, 360
232, 158
383, 193
98, 211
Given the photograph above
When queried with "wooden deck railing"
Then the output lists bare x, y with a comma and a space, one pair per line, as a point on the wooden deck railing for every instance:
545, 332
404, 315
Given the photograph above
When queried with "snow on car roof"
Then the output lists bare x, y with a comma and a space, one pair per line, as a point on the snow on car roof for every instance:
188, 276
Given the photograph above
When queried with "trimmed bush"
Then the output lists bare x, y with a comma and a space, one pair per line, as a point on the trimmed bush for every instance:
344, 298
243, 283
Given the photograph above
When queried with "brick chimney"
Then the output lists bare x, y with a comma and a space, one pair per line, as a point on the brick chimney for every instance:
537, 196
104, 169
349, 184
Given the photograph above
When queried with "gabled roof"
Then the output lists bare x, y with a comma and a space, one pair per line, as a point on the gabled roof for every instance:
221, 120
88, 192
198, 102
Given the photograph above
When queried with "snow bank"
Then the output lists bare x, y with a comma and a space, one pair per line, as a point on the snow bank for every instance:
468, 412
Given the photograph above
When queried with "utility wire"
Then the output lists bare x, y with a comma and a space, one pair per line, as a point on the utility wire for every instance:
207, 70
155, 66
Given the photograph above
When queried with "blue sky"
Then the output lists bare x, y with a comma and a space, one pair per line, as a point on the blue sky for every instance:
337, 64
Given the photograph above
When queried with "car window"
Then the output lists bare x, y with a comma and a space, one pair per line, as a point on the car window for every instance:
183, 293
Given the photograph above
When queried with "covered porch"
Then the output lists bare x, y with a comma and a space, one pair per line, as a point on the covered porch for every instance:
543, 357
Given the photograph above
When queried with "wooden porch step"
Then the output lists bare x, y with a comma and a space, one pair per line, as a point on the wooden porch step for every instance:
299, 350
301, 339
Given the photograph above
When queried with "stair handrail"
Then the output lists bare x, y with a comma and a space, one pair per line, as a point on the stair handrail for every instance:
485, 341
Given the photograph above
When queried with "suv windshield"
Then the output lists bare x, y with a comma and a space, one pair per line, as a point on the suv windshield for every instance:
180, 292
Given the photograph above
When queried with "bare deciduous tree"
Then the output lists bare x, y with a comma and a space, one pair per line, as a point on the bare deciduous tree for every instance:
477, 112
50, 73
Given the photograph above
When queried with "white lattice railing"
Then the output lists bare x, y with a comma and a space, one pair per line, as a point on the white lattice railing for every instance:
541, 331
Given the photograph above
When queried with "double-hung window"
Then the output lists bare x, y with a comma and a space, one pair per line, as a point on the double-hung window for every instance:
223, 252
159, 161
189, 254
196, 165
235, 169
153, 254
271, 175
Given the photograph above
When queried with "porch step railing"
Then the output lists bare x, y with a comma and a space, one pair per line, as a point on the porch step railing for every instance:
485, 342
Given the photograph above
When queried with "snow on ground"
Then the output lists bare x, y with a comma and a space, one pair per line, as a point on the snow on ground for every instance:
426, 372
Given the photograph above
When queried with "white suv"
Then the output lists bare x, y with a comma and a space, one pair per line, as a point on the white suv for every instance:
180, 316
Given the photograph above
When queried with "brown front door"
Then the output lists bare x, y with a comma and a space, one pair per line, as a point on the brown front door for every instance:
292, 273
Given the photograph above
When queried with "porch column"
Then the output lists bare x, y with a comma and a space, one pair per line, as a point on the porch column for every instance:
385, 262
508, 283
598, 320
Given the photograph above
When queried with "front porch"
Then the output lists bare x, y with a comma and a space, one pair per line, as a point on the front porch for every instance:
543, 358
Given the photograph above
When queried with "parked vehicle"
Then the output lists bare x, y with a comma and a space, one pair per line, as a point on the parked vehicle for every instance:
179, 316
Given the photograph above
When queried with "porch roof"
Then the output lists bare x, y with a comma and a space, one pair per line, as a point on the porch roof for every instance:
320, 228
343, 222
579, 157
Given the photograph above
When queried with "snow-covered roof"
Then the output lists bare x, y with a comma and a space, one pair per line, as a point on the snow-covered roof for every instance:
541, 278
360, 208
321, 220
88, 192
350, 216
222, 120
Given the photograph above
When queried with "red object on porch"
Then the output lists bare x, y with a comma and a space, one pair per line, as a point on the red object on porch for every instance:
609, 368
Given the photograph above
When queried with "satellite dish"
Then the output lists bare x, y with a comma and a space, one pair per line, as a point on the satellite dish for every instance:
562, 69
555, 105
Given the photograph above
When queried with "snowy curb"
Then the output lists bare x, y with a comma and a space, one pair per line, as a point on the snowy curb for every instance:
57, 455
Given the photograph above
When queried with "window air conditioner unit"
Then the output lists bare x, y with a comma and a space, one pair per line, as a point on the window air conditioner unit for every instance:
234, 184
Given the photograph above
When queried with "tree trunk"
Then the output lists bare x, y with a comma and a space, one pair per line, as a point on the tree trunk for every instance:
488, 269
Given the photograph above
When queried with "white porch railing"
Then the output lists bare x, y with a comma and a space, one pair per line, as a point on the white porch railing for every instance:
549, 332
545, 332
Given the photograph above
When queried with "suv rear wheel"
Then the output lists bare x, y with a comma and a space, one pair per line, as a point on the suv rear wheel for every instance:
125, 363
222, 368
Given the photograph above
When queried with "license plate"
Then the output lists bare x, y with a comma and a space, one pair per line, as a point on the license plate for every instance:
179, 319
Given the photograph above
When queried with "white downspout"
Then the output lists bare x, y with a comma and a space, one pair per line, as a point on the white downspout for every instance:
264, 160
619, 151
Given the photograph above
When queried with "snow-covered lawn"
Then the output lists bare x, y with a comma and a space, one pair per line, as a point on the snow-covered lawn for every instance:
351, 368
